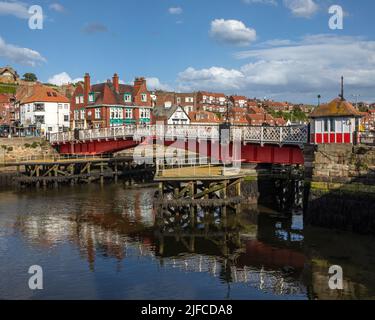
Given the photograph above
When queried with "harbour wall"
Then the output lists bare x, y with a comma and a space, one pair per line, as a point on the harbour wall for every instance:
340, 187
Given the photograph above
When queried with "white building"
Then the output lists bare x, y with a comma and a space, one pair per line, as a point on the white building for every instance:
174, 115
44, 109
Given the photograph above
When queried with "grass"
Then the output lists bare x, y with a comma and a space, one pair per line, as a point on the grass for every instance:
8, 88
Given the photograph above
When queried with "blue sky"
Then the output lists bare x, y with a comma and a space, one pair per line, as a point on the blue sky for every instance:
279, 49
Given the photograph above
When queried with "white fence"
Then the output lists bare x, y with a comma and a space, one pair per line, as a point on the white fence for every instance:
294, 135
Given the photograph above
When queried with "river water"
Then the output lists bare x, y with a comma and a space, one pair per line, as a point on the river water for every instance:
109, 242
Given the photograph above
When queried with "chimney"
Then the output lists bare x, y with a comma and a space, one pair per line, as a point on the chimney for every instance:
115, 82
87, 88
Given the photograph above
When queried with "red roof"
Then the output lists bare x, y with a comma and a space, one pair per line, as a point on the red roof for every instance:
4, 98
336, 108
237, 98
203, 117
41, 93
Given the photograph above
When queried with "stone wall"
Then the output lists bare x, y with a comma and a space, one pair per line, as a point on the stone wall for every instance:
17, 149
340, 183
343, 164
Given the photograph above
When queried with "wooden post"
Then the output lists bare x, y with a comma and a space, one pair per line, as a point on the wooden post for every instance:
101, 174
116, 172
56, 175
161, 190
238, 188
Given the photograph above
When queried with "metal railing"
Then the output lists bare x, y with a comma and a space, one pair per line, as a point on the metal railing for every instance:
293, 135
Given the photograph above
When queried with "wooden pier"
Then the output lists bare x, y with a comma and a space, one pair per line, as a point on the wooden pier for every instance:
73, 171
205, 186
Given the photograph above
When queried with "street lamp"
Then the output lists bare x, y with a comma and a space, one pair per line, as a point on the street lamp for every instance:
319, 97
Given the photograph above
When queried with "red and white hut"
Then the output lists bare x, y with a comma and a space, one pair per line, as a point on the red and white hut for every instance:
336, 122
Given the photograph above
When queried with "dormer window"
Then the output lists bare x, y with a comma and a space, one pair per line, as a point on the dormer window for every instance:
127, 97
91, 97
144, 97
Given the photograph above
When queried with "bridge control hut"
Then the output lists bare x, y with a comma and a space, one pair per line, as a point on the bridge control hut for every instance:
336, 122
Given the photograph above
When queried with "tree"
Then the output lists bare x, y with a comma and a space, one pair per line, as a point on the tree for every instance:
30, 77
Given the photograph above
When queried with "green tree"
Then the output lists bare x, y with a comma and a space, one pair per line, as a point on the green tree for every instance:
30, 77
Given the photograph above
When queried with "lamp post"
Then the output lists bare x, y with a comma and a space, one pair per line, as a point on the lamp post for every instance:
319, 97
356, 96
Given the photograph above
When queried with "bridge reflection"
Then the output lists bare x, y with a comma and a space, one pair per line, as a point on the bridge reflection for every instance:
255, 247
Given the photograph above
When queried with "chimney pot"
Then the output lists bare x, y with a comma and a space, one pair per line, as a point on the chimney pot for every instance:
87, 88
115, 81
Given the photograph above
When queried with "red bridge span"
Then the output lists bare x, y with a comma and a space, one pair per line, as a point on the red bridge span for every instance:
271, 145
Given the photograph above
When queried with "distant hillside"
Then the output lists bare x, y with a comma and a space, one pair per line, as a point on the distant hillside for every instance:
8, 88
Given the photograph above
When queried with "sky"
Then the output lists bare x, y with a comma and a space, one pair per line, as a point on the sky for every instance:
275, 49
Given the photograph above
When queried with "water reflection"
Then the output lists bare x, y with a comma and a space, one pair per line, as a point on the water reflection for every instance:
136, 251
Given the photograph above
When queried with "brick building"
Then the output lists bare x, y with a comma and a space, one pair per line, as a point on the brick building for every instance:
110, 104
188, 101
204, 118
8, 115
239, 101
213, 102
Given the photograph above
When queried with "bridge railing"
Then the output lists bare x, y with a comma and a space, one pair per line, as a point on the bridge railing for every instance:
295, 135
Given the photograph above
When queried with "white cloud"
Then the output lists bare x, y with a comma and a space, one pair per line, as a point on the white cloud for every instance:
295, 70
214, 77
232, 32
155, 84
62, 78
20, 55
302, 8
14, 8
175, 10
57, 7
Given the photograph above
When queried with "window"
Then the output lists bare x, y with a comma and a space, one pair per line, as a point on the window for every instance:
39, 107
83, 114
76, 115
333, 125
66, 118
39, 119
144, 113
66, 106
91, 97
144, 97
97, 113
77, 100
50, 129
127, 97
128, 113
49, 94
60, 106
326, 125
81, 99
189, 99
116, 113
54, 94
178, 100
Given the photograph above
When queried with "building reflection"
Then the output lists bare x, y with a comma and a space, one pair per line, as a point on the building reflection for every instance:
263, 250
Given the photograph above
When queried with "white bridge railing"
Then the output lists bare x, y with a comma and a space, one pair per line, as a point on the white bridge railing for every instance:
294, 135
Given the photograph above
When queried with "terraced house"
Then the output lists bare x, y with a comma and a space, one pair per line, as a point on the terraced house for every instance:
110, 104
